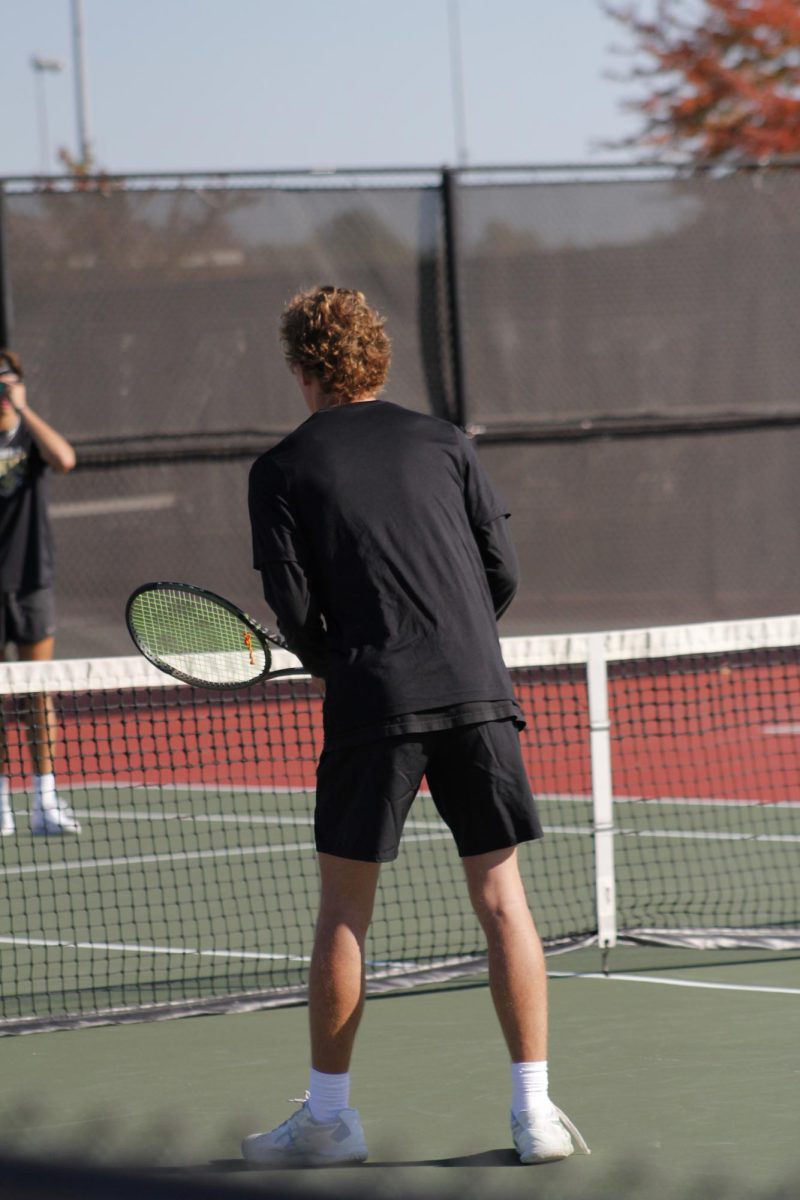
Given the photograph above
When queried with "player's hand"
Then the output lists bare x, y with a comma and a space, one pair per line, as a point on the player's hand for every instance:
17, 396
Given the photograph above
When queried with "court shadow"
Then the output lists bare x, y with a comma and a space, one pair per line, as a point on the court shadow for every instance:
232, 1166
485, 1158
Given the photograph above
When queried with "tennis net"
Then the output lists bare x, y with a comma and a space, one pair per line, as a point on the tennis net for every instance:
665, 763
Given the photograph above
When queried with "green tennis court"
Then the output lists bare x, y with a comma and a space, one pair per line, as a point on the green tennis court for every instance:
183, 893
192, 890
679, 1072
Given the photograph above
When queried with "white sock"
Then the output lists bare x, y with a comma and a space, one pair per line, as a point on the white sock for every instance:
328, 1094
5, 793
528, 1086
44, 793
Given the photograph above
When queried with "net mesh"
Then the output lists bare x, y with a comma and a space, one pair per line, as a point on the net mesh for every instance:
193, 883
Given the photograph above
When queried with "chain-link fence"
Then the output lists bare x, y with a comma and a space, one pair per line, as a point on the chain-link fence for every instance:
624, 349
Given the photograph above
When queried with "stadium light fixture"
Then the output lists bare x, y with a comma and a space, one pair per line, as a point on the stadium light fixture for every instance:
41, 67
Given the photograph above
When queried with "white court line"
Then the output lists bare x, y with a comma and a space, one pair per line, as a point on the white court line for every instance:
702, 802
690, 802
687, 983
219, 790
399, 965
83, 864
424, 823
708, 835
137, 948
189, 818
79, 864
433, 833
781, 730
186, 818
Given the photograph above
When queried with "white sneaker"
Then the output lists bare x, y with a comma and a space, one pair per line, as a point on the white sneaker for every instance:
302, 1141
57, 820
6, 821
545, 1136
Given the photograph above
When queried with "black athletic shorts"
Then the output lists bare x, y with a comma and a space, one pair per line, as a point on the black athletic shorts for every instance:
27, 617
475, 774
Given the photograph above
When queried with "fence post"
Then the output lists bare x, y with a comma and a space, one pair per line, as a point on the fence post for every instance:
6, 314
452, 284
602, 796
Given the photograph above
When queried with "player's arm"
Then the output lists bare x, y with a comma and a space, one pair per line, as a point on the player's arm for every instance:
279, 552
499, 562
488, 518
287, 593
53, 447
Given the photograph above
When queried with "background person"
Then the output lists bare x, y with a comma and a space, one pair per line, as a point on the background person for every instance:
28, 445
385, 556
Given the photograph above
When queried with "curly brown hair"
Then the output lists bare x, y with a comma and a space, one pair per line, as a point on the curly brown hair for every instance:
334, 336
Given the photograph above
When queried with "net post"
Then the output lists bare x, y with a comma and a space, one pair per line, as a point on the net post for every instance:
602, 795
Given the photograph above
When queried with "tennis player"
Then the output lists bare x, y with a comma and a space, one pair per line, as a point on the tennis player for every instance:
385, 557
28, 445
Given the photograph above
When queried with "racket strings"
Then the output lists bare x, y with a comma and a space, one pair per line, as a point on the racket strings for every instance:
192, 634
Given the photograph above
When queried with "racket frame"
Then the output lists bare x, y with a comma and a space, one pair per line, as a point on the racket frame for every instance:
263, 636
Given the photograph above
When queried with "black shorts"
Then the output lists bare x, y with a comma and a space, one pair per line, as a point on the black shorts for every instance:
27, 617
477, 780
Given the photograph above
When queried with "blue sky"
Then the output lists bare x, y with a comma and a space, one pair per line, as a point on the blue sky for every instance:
266, 84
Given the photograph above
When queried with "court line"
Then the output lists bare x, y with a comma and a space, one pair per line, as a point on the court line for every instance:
708, 835
190, 952
687, 983
185, 818
219, 790
398, 965
431, 823
706, 802
138, 948
82, 864
432, 834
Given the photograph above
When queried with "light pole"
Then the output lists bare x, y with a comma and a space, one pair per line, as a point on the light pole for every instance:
81, 101
41, 66
457, 82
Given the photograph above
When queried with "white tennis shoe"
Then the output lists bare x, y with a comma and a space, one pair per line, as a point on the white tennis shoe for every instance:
54, 820
6, 820
545, 1136
301, 1141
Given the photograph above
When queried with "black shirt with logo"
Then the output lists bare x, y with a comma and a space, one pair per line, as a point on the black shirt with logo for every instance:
384, 554
26, 547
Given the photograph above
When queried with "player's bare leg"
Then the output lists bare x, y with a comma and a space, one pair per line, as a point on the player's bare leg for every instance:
49, 814
517, 971
326, 1129
40, 718
518, 982
336, 987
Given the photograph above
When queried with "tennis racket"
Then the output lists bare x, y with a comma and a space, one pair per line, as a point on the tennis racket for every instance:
199, 637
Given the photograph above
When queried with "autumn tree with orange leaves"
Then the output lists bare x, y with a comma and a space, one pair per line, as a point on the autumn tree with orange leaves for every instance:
722, 78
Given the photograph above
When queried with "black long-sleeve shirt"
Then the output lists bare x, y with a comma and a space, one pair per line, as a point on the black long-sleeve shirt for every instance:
287, 592
385, 556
